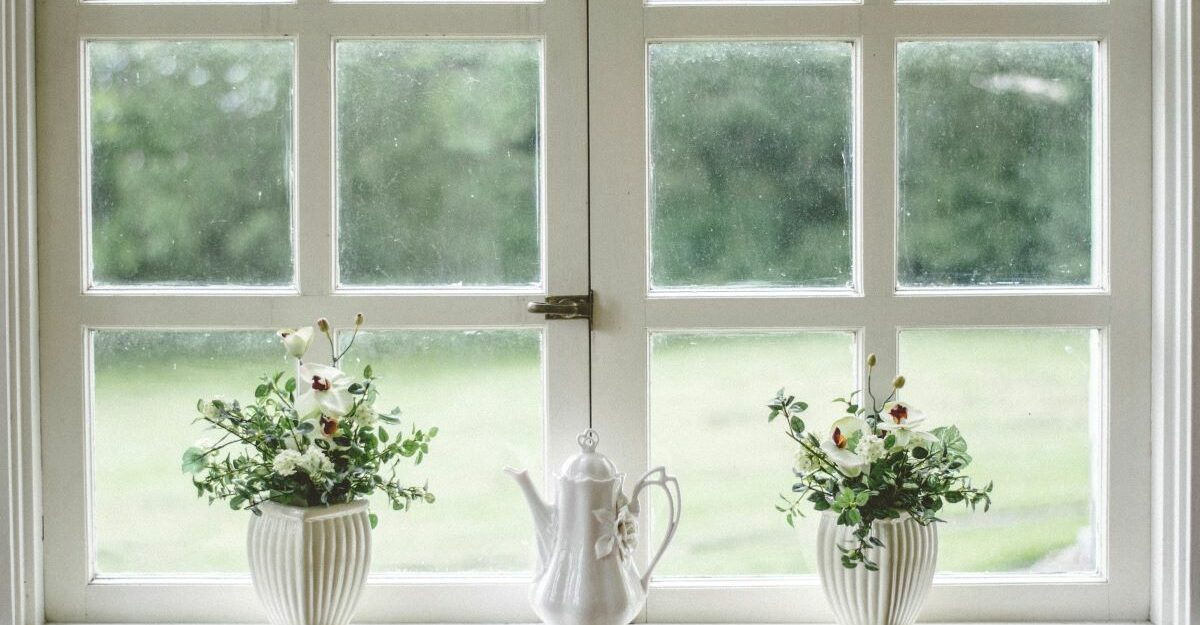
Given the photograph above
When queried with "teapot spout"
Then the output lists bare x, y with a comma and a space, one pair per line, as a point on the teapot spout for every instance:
543, 514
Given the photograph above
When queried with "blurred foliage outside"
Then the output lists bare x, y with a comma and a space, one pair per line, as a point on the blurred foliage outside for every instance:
707, 425
191, 153
438, 156
995, 144
191, 160
438, 163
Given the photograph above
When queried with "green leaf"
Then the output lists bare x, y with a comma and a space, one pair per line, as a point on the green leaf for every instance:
383, 435
372, 517
193, 460
368, 373
797, 425
290, 386
433, 431
261, 391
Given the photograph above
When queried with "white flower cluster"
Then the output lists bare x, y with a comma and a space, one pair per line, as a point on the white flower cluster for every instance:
313, 461
870, 447
208, 408
365, 415
805, 463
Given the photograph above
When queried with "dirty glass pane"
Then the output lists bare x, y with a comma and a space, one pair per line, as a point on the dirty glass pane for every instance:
751, 2
438, 163
997, 386
751, 148
189, 1
147, 517
708, 393
996, 163
190, 162
483, 390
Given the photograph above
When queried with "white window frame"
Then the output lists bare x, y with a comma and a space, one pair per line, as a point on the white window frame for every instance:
1173, 579
874, 308
73, 590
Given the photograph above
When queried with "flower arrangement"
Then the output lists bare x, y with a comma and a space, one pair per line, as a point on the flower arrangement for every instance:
876, 463
315, 438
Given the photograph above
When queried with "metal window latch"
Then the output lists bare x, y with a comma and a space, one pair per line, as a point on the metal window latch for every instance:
563, 306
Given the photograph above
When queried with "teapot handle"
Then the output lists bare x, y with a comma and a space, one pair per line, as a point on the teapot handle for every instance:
658, 477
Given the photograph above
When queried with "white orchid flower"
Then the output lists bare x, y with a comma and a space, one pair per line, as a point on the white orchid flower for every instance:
296, 342
924, 440
837, 446
323, 391
901, 420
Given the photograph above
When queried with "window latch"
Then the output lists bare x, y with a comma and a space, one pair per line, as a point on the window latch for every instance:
563, 306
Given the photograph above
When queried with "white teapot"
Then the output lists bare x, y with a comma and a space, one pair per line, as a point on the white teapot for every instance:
585, 572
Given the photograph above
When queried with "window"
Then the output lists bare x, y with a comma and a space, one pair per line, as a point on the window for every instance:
759, 193
244, 168
942, 184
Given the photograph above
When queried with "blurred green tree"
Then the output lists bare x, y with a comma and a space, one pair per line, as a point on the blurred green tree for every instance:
439, 170
191, 146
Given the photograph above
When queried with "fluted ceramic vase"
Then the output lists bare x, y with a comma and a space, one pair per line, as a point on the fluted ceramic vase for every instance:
894, 594
309, 565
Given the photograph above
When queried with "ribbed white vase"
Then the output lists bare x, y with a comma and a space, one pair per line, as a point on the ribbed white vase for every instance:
894, 594
309, 565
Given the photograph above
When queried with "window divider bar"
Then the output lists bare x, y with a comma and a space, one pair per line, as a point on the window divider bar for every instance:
279, 20
1091, 20
314, 180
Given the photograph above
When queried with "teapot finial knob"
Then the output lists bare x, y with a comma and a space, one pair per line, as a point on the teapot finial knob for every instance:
589, 440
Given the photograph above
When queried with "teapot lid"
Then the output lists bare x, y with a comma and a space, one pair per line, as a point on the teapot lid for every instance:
588, 464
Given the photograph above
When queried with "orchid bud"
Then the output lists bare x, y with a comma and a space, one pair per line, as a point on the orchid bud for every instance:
898, 382
296, 342
870, 360
323, 325
358, 320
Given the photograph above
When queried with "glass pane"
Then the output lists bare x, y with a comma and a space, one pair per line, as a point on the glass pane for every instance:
1001, 1
751, 148
438, 163
189, 1
483, 390
190, 162
145, 513
996, 163
751, 2
708, 426
1037, 385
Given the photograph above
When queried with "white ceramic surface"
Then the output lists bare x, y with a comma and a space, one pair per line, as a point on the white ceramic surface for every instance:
309, 565
585, 572
894, 594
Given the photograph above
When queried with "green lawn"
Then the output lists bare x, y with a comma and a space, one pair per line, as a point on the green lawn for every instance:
1019, 397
